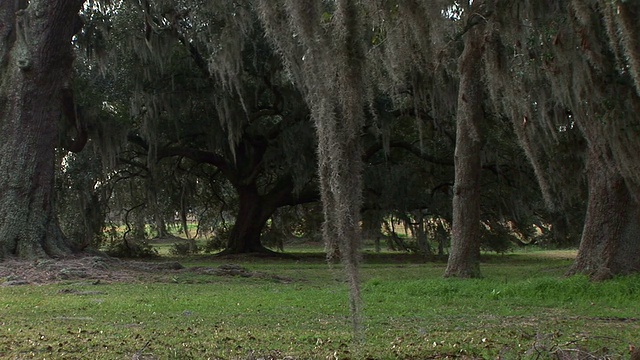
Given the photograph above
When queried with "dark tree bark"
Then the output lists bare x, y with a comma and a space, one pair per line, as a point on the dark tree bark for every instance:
256, 204
252, 217
35, 65
464, 257
610, 241
254, 211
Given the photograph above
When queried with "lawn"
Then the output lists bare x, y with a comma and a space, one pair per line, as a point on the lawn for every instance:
297, 309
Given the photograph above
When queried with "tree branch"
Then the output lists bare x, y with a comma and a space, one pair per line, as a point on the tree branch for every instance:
189, 153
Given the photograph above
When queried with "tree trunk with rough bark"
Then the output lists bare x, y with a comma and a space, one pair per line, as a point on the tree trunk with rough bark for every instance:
252, 217
35, 68
610, 242
255, 209
464, 257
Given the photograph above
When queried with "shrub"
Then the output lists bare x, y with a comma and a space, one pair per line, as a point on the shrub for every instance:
218, 241
131, 249
184, 249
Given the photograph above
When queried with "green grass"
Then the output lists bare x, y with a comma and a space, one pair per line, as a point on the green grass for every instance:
522, 308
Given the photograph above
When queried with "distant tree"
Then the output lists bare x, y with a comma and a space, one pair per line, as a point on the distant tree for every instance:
208, 99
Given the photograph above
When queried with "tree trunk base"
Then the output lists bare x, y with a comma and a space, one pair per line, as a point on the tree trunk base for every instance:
27, 241
610, 241
466, 273
262, 252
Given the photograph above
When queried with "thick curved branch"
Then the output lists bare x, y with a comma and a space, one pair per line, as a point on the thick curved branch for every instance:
284, 194
498, 170
189, 153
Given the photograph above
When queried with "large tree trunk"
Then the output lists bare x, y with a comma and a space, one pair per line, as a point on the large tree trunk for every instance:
35, 67
255, 210
464, 257
251, 219
610, 242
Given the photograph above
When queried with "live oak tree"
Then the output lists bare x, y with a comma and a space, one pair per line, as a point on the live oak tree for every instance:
609, 82
411, 48
567, 67
552, 68
204, 136
418, 44
565, 73
207, 91
36, 62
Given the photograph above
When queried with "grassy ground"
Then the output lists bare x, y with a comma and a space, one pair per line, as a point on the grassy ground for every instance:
522, 308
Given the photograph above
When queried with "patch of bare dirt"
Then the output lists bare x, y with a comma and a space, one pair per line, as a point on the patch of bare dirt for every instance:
236, 270
91, 268
100, 269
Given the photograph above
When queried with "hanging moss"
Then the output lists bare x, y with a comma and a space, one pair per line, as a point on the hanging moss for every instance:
325, 54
